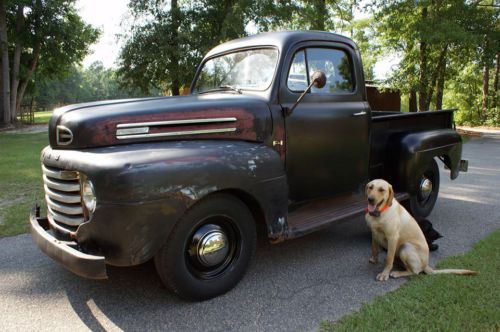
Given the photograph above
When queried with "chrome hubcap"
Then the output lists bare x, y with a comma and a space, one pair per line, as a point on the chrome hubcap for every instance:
425, 188
210, 245
213, 248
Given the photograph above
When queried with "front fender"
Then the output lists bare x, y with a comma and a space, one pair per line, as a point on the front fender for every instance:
409, 154
143, 189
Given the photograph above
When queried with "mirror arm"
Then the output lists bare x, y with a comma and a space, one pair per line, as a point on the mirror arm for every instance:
289, 111
318, 79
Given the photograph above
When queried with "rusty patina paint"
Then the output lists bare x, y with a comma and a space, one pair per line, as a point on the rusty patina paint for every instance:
106, 132
280, 137
143, 189
97, 126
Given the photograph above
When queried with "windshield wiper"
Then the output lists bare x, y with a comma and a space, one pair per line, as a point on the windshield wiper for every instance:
230, 87
223, 88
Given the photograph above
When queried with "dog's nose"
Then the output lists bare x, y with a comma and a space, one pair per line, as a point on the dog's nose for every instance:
371, 200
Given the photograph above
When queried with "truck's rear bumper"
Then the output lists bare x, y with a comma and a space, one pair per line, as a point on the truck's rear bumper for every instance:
65, 252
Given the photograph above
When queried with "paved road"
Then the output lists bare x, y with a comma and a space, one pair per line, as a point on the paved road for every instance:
290, 286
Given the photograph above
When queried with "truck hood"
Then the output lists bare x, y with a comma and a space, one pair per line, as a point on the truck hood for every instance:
207, 116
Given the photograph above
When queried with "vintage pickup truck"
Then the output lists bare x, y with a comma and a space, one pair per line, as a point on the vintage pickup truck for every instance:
188, 180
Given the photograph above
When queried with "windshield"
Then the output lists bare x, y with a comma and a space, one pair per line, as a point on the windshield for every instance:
251, 69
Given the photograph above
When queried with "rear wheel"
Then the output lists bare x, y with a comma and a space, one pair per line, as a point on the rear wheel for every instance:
209, 249
422, 203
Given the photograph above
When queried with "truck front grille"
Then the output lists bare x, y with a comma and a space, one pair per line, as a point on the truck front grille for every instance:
62, 194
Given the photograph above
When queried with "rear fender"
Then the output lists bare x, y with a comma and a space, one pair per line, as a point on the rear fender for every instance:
409, 154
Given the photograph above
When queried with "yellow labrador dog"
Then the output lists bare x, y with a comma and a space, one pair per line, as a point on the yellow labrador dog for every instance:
394, 229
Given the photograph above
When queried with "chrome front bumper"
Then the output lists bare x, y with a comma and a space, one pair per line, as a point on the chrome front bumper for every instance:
65, 252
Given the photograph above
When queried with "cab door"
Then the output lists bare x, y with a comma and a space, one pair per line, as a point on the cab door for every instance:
327, 135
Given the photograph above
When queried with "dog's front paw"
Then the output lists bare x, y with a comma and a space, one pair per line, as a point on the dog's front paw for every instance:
373, 260
383, 276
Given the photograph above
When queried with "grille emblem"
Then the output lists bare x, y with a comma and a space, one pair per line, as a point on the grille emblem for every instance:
64, 136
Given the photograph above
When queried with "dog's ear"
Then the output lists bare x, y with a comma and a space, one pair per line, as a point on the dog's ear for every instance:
391, 196
366, 189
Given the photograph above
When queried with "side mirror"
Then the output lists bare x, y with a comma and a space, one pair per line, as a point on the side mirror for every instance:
318, 80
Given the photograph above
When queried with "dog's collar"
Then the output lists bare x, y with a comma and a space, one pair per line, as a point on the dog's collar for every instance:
377, 213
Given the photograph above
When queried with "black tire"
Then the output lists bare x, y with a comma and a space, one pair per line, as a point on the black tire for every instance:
421, 204
194, 274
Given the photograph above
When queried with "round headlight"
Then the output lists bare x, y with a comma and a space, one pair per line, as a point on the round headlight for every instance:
88, 195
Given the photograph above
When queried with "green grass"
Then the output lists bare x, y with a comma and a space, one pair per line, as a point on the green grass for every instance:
42, 117
39, 117
20, 179
439, 302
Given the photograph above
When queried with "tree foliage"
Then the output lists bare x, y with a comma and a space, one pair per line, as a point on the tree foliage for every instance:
449, 49
323, 15
79, 85
168, 39
43, 36
436, 40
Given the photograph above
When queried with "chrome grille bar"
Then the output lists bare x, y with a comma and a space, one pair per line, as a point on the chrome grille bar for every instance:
60, 185
66, 198
63, 197
60, 174
57, 226
64, 208
72, 221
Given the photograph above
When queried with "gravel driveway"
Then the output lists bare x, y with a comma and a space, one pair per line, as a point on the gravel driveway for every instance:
291, 286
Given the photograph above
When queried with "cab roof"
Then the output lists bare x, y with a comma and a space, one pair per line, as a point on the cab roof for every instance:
282, 40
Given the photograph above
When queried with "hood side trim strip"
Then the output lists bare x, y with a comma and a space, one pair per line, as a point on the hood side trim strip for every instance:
175, 122
179, 133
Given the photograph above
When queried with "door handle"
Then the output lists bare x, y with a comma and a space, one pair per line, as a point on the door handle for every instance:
359, 113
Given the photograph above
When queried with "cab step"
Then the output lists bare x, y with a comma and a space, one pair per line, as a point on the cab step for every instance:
311, 216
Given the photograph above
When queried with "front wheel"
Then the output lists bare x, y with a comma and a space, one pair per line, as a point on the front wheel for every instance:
422, 203
209, 249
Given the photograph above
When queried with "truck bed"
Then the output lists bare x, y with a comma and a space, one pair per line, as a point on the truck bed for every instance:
386, 126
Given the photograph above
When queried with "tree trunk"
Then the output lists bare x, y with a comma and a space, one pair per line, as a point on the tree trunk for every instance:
16, 62
440, 92
430, 92
441, 78
486, 80
174, 56
486, 83
422, 98
31, 69
5, 95
318, 22
351, 16
495, 81
412, 101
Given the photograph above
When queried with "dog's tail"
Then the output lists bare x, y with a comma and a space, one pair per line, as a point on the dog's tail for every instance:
429, 270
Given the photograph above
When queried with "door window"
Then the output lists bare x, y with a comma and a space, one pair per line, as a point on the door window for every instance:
334, 63
297, 77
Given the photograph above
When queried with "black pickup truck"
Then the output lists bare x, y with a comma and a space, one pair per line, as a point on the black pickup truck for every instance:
277, 132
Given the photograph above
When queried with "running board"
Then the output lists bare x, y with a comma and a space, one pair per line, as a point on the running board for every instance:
318, 214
